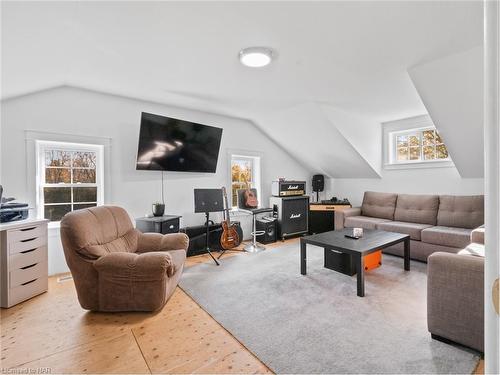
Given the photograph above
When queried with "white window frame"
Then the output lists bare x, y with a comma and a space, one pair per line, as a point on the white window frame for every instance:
256, 173
412, 125
41, 147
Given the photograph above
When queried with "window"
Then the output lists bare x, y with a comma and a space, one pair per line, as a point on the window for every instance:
419, 145
69, 177
245, 173
414, 143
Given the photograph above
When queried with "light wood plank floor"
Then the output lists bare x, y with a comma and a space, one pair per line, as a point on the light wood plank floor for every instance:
52, 333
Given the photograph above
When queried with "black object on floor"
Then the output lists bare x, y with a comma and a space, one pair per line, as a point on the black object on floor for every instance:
340, 262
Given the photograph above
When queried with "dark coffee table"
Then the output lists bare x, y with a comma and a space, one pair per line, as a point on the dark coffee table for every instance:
372, 240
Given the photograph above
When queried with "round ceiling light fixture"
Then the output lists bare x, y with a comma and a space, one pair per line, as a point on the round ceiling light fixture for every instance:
256, 57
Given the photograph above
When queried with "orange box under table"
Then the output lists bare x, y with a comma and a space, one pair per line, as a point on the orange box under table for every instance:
373, 260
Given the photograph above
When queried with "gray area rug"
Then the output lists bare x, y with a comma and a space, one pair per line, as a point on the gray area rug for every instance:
316, 323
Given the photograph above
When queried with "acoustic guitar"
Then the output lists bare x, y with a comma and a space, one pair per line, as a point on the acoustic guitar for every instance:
249, 197
229, 237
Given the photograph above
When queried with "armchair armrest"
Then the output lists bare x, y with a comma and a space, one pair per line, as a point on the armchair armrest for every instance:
122, 266
455, 298
340, 216
477, 235
148, 242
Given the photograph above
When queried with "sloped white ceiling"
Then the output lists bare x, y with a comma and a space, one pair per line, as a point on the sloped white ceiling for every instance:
306, 131
452, 91
350, 57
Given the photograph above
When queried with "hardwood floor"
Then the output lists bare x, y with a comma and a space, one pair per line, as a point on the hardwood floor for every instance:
53, 334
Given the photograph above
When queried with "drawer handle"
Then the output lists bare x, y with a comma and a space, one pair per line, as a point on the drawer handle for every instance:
26, 267
29, 282
171, 227
26, 229
29, 239
28, 251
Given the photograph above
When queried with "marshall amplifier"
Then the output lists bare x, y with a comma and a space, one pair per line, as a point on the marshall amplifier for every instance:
292, 214
288, 188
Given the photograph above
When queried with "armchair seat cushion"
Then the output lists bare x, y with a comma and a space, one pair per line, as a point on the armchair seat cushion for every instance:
447, 236
363, 222
413, 229
148, 242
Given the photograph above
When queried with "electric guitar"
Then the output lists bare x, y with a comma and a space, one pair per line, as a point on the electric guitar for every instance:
229, 237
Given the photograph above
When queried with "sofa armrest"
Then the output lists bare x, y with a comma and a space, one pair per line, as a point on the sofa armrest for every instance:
455, 301
477, 235
148, 242
340, 216
122, 266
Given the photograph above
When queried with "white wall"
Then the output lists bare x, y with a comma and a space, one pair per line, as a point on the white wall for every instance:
74, 111
411, 181
452, 90
361, 132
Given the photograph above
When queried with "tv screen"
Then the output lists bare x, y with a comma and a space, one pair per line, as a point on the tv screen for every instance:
169, 144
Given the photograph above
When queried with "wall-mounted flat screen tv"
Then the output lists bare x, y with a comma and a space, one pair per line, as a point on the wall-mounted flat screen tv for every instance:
170, 144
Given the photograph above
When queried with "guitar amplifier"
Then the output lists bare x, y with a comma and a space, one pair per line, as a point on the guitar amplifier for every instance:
288, 188
292, 215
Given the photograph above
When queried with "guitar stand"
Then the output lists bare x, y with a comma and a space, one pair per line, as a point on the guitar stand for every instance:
207, 242
223, 251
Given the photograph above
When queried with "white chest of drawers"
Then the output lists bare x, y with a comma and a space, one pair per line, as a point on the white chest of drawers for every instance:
23, 261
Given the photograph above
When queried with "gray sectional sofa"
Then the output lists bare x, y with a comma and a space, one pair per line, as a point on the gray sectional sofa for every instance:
455, 294
434, 222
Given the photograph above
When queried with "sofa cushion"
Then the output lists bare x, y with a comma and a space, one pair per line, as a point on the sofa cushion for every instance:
363, 222
381, 205
475, 249
413, 208
477, 235
447, 236
413, 229
461, 211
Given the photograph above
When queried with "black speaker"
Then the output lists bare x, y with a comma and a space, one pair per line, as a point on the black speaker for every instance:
293, 218
268, 225
318, 182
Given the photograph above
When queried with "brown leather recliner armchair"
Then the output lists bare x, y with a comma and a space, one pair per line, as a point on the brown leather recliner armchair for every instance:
117, 268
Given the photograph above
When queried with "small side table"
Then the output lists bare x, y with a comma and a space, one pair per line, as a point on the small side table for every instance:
161, 224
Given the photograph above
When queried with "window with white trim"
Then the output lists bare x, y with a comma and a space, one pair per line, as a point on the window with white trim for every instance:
414, 143
245, 174
69, 177
419, 145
